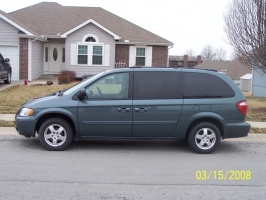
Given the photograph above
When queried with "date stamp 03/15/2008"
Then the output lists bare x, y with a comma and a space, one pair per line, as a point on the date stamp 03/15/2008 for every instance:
222, 175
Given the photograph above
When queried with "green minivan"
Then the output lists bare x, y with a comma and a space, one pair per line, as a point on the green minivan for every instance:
200, 106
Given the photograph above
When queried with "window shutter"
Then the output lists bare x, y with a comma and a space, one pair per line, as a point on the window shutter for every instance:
132, 56
73, 54
149, 56
90, 54
106, 54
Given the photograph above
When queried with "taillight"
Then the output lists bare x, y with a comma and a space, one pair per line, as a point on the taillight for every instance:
242, 106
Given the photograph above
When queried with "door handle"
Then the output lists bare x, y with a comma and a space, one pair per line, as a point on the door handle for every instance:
141, 109
124, 109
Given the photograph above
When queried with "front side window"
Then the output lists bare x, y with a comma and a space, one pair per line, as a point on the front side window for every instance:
140, 57
114, 86
157, 85
82, 54
97, 58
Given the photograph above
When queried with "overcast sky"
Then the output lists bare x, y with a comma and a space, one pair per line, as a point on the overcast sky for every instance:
189, 24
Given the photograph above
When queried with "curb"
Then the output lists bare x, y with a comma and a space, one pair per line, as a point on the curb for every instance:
252, 137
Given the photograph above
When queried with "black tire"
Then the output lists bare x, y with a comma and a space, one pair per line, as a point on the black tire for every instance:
204, 138
52, 139
8, 80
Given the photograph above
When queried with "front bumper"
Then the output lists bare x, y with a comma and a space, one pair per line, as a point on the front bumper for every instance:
235, 129
25, 126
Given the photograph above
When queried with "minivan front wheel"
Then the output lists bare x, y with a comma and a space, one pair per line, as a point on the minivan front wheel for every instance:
204, 138
55, 134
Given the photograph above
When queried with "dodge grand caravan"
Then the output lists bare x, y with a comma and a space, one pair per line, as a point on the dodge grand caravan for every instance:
200, 106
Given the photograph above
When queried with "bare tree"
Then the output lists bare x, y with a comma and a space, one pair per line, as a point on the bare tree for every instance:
221, 54
190, 52
245, 26
208, 52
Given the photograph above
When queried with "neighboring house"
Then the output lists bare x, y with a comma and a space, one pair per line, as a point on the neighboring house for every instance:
184, 61
47, 37
258, 83
233, 69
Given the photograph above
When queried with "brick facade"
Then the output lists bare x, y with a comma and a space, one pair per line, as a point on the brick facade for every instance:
159, 56
122, 54
23, 58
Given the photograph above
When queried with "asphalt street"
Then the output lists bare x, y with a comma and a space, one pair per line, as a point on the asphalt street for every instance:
131, 169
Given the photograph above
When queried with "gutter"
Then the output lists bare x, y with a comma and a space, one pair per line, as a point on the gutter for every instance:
169, 55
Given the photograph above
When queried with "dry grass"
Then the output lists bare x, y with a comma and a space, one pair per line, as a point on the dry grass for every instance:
4, 123
256, 108
12, 98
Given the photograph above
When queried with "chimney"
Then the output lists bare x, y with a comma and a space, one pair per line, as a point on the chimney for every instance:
185, 61
198, 59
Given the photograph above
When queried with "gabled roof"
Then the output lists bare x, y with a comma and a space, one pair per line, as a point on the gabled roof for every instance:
233, 69
16, 23
50, 18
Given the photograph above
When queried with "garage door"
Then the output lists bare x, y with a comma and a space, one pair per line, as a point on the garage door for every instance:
13, 54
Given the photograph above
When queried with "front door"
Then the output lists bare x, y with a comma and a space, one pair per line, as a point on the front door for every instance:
107, 112
54, 58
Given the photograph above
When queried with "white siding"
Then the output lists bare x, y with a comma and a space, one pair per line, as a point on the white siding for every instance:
77, 36
8, 34
37, 60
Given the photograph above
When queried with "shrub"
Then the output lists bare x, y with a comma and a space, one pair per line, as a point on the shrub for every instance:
66, 77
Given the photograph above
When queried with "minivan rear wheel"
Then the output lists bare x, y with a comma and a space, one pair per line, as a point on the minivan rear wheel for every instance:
55, 134
204, 138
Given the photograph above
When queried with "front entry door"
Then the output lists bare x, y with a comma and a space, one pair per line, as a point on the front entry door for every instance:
54, 58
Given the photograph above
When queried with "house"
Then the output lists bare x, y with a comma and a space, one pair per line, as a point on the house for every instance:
47, 37
184, 61
258, 83
233, 69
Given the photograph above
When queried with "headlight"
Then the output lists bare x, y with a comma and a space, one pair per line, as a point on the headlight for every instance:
26, 112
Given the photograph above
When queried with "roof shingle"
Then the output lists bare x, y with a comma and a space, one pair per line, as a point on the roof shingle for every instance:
50, 18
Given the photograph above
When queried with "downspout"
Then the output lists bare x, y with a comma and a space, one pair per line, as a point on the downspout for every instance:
168, 55
30, 57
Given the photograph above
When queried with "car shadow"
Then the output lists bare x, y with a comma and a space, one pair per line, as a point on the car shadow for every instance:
136, 145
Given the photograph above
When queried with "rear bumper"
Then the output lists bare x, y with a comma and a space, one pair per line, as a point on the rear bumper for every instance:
25, 126
235, 129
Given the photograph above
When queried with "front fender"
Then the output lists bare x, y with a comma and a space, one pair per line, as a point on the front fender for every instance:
72, 115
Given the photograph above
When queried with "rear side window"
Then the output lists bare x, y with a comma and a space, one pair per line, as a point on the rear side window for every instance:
157, 85
197, 85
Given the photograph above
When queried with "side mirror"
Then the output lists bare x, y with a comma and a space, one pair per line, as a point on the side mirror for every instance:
7, 60
82, 94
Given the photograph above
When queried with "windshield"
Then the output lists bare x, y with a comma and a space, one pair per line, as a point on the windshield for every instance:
82, 83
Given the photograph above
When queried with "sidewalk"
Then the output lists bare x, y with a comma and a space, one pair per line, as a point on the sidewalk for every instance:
21, 82
252, 137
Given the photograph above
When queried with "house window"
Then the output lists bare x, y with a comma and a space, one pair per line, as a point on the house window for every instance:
46, 54
90, 39
180, 63
82, 54
63, 55
97, 57
140, 57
